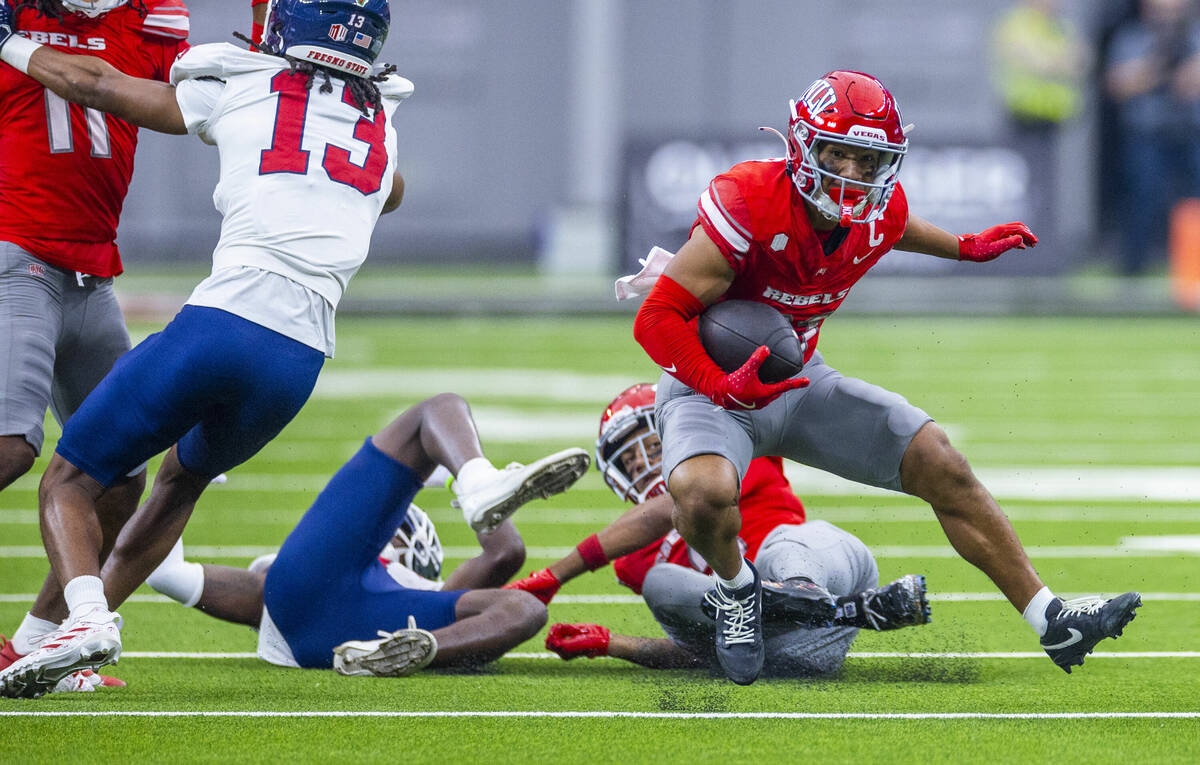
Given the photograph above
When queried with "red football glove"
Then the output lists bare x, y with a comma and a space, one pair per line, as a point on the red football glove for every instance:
743, 390
543, 585
571, 640
995, 241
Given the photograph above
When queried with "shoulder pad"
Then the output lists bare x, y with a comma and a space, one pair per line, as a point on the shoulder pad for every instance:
166, 18
220, 60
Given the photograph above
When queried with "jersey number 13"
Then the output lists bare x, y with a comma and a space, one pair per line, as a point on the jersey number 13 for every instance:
286, 156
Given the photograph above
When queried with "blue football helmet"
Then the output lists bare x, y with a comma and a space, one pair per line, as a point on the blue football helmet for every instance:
346, 35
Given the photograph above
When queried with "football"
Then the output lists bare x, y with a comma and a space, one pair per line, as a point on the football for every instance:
731, 330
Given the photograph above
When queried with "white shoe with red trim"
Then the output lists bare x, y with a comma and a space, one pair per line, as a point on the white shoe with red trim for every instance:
87, 643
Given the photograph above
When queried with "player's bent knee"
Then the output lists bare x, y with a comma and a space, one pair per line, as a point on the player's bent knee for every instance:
704, 485
16, 458
61, 475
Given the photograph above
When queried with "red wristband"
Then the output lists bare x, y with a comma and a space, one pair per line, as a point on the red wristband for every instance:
258, 2
256, 33
592, 553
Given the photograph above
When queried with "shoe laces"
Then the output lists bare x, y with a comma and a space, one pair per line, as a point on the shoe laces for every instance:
873, 607
735, 614
1082, 606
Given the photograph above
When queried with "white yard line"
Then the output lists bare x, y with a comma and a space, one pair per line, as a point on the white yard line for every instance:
610, 714
203, 552
1013, 482
851, 655
1065, 482
578, 516
625, 600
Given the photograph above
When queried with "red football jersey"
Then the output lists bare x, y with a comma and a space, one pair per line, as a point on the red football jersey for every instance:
767, 501
64, 170
757, 219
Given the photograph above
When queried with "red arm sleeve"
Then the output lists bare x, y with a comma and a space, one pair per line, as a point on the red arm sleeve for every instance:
664, 328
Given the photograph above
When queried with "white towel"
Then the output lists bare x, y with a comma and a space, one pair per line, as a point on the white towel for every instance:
636, 285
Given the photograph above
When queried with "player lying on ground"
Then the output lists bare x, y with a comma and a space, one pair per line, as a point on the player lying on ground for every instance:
819, 582
241, 358
327, 600
797, 234
64, 174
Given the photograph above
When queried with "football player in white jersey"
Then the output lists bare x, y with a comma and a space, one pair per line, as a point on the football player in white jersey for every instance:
305, 124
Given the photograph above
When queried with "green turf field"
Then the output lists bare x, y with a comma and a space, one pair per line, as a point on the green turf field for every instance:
1088, 430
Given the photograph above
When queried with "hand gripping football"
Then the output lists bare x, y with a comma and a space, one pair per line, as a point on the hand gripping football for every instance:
731, 330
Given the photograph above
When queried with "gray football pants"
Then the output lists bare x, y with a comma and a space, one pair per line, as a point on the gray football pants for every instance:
820, 551
59, 336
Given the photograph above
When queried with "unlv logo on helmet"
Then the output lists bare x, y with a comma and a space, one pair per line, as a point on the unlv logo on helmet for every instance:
819, 97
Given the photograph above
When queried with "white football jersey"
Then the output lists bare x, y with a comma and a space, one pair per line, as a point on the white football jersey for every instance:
304, 174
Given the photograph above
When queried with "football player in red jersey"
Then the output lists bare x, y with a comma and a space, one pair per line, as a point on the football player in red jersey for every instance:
821, 581
796, 234
64, 172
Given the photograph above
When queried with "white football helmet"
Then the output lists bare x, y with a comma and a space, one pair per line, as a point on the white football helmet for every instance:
628, 451
92, 8
416, 546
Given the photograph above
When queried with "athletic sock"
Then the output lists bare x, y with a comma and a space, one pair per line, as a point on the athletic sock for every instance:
29, 635
1035, 612
743, 577
472, 473
177, 578
84, 593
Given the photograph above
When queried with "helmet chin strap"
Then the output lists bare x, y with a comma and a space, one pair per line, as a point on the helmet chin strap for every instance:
846, 200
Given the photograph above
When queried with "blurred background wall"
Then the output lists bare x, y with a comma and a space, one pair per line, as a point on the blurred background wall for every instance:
537, 131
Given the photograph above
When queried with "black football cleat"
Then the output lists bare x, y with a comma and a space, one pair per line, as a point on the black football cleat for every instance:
799, 602
1074, 627
739, 639
903, 603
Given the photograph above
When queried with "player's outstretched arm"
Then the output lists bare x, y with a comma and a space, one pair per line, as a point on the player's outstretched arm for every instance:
591, 640
89, 81
634, 529
922, 236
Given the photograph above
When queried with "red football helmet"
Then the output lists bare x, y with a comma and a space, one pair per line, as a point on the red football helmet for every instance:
854, 109
628, 451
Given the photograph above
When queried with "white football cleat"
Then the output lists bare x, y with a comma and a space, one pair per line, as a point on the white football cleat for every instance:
394, 654
487, 505
89, 642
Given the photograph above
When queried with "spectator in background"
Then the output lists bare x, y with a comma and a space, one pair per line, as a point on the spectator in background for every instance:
1038, 66
1038, 63
1152, 76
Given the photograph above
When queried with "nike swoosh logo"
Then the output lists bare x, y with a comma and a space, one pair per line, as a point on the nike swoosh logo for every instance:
860, 260
669, 370
1076, 636
744, 406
